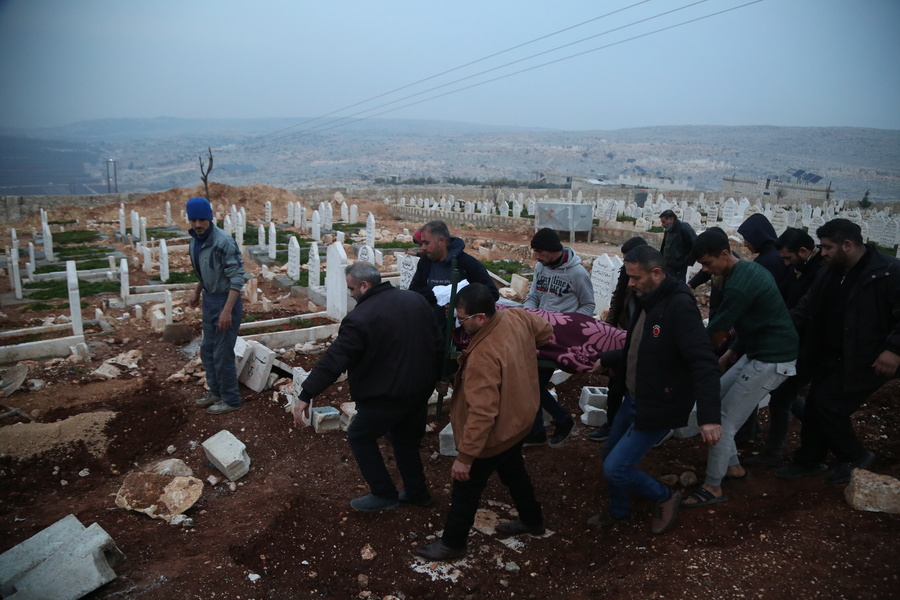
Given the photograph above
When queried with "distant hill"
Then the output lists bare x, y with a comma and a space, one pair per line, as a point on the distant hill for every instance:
156, 154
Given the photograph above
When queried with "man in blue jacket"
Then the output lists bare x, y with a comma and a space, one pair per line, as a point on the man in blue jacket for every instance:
217, 262
391, 349
667, 364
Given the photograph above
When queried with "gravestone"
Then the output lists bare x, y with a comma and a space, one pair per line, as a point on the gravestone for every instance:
168, 214
336, 282
290, 212
354, 214
268, 216
314, 265
261, 236
293, 266
603, 277
316, 227
124, 287
345, 212
370, 230
366, 254
273, 250
163, 261
122, 229
408, 264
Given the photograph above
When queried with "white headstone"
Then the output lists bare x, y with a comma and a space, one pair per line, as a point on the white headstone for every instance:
366, 254
268, 218
408, 264
354, 214
290, 212
168, 213
122, 229
163, 261
603, 277
74, 298
316, 227
370, 230
336, 282
273, 251
314, 264
124, 287
293, 266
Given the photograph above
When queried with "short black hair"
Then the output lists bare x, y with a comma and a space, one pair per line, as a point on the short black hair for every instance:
793, 239
476, 298
840, 230
710, 243
437, 229
647, 257
633, 243
668, 214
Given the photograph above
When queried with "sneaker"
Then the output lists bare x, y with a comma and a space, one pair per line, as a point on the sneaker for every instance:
665, 437
664, 514
220, 408
373, 503
797, 470
599, 435
517, 527
440, 551
207, 400
840, 473
562, 433
535, 439
764, 460
423, 502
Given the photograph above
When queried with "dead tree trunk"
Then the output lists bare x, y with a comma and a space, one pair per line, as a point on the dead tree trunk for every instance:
204, 172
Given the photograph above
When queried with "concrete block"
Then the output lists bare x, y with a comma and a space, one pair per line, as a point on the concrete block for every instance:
241, 353
64, 561
326, 418
157, 320
594, 417
228, 454
593, 396
559, 376
447, 445
348, 412
255, 374
689, 430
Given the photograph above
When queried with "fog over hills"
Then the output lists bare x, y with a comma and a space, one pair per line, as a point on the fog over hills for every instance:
157, 154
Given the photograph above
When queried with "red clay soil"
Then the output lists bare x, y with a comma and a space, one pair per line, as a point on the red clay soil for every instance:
288, 520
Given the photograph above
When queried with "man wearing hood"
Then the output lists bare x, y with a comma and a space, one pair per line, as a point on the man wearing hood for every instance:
560, 284
678, 241
440, 249
217, 262
760, 238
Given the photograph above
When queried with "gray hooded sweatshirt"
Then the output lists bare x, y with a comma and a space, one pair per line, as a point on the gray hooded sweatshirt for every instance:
563, 288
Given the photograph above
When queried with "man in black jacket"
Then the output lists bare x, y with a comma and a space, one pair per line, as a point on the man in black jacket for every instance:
668, 364
677, 244
434, 267
850, 326
390, 346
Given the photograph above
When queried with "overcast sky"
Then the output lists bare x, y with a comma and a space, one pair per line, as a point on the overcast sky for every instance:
775, 62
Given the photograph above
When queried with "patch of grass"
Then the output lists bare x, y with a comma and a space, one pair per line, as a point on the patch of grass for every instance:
69, 222
76, 236
83, 265
656, 229
347, 227
249, 318
83, 252
163, 234
49, 290
624, 219
301, 323
504, 268
303, 280
182, 277
38, 306
400, 245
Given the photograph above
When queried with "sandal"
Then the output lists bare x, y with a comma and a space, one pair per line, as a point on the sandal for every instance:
703, 497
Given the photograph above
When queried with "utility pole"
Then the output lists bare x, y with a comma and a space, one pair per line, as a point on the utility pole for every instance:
114, 178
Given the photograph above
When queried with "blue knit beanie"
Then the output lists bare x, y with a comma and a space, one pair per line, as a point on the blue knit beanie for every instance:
199, 208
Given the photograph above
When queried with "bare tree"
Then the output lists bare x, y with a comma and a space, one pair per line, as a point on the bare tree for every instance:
204, 172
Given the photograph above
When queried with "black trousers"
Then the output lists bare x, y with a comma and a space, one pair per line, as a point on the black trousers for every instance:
466, 495
406, 425
826, 420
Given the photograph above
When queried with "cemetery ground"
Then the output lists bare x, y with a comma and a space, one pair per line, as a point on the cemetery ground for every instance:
288, 520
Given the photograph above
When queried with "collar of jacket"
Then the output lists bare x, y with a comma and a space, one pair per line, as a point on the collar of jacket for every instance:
381, 287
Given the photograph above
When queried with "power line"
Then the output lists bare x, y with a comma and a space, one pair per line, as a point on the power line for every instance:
555, 61
468, 64
443, 85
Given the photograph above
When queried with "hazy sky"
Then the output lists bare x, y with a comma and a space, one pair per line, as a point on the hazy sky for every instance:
775, 62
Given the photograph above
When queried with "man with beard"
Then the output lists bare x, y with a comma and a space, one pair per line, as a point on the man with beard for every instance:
678, 241
850, 321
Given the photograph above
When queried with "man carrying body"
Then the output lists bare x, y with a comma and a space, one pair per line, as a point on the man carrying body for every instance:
799, 252
667, 364
495, 395
391, 374
560, 284
766, 343
440, 249
217, 262
678, 240
850, 321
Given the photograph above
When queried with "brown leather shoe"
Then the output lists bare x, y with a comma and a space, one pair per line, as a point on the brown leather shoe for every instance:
440, 551
517, 527
664, 514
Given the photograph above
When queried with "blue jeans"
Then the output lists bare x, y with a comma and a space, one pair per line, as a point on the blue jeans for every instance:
622, 453
217, 348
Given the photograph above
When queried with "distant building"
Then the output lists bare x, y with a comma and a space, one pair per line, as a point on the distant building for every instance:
776, 189
654, 182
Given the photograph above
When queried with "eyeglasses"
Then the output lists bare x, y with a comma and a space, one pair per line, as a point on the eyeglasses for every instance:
461, 321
